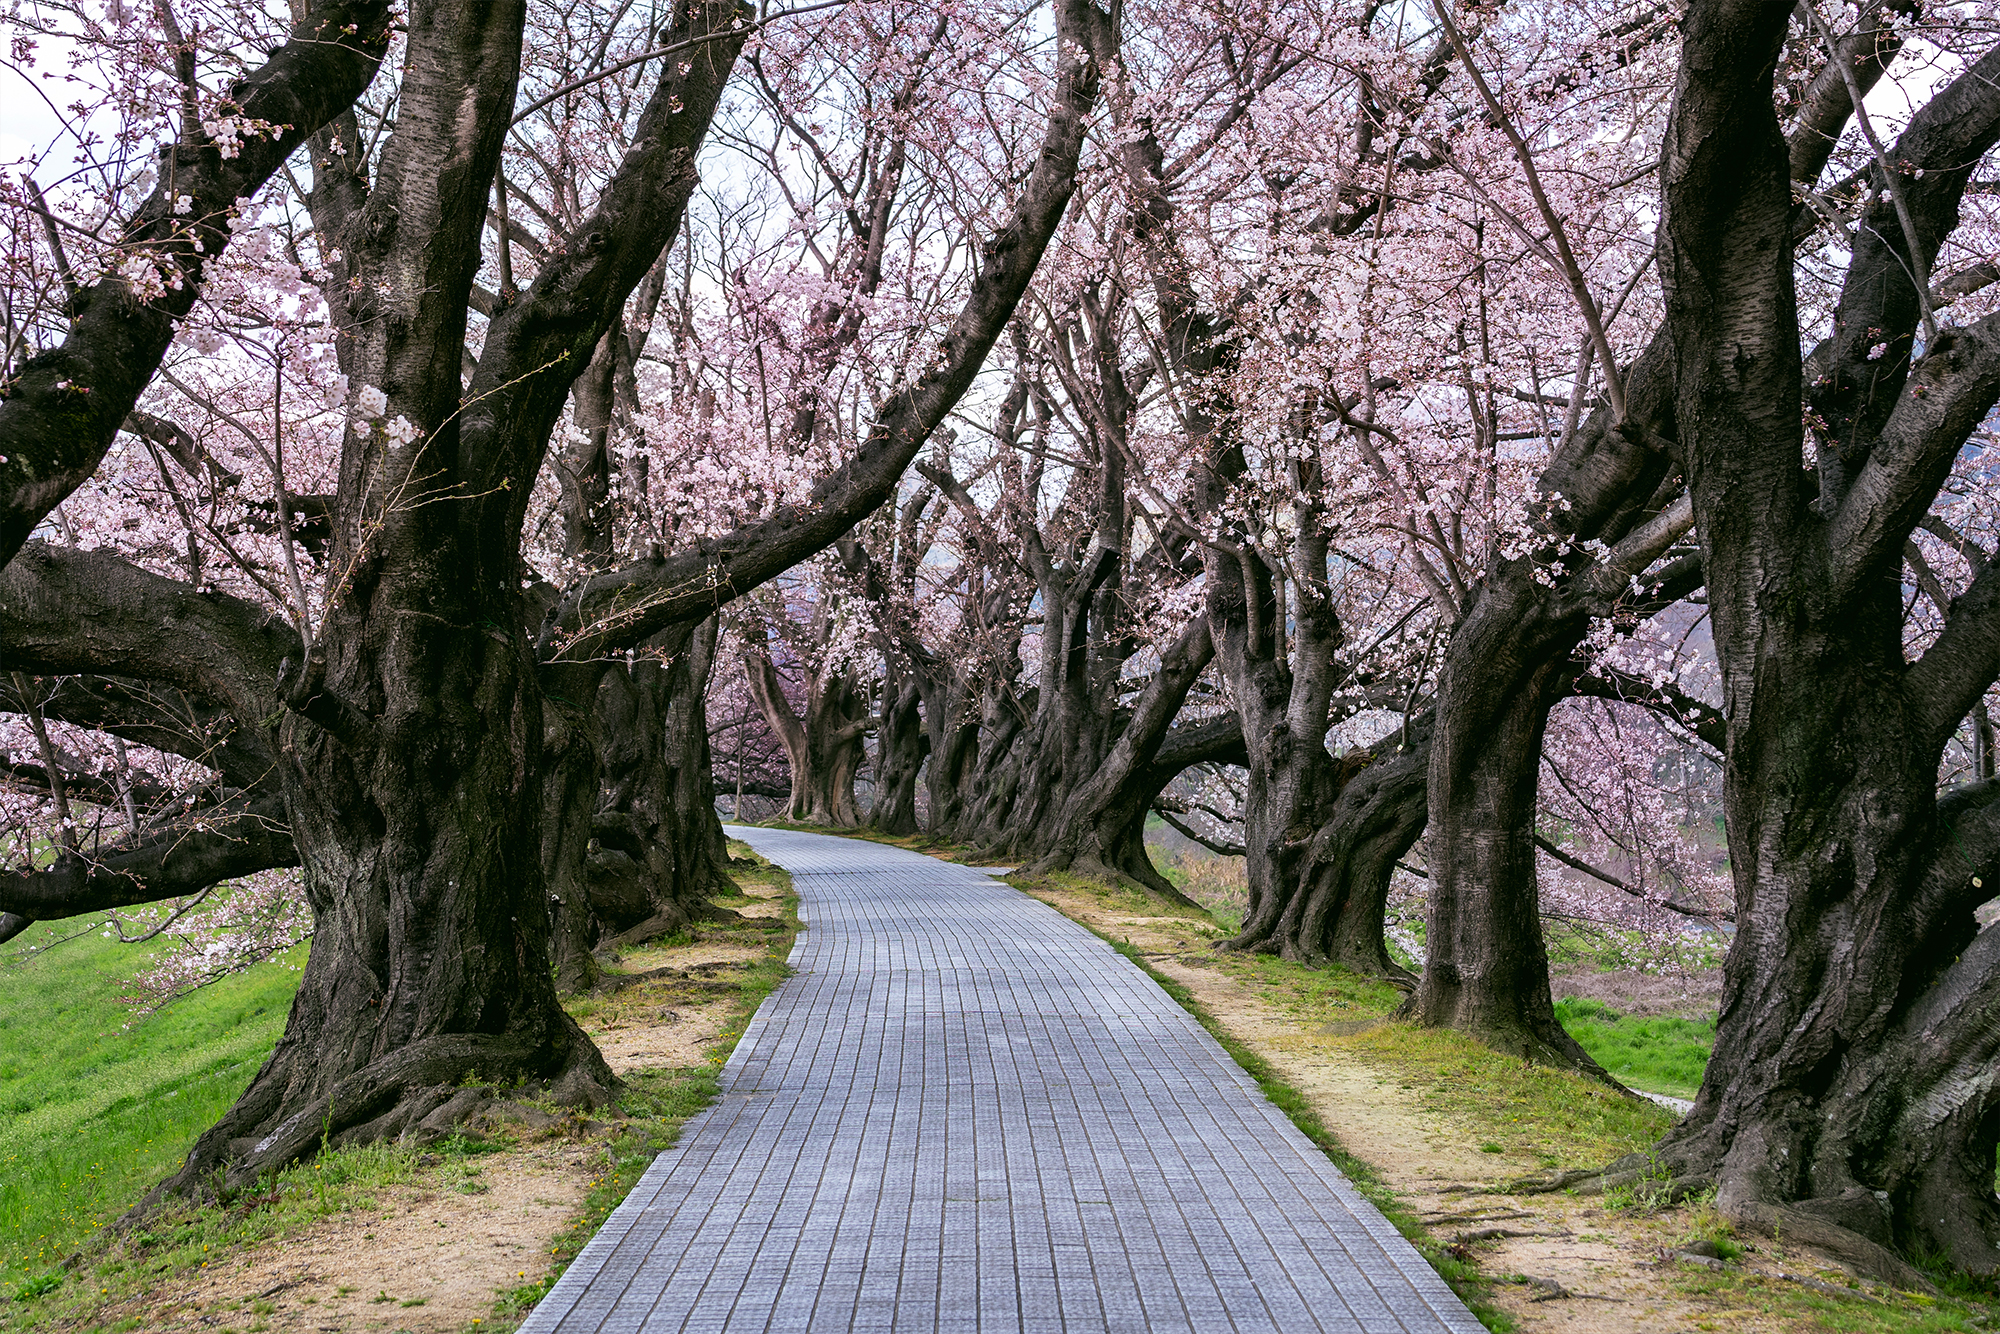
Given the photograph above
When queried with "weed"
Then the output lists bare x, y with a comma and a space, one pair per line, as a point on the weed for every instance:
38, 1286
1650, 1194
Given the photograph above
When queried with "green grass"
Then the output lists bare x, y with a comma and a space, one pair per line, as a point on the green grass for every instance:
93, 1112
1663, 1054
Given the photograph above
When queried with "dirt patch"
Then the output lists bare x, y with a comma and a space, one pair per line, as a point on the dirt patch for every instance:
429, 1258
1560, 1264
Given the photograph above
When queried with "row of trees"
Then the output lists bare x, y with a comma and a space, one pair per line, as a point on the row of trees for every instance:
1365, 424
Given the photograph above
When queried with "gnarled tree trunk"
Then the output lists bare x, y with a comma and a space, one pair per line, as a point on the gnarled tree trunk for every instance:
900, 746
823, 742
1486, 969
1100, 828
1333, 908
1850, 1099
655, 830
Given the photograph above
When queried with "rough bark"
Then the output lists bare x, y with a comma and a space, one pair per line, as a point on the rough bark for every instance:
655, 828
414, 730
1502, 670
1098, 830
1331, 909
161, 717
900, 746
823, 742
1850, 1099
1486, 967
572, 778
235, 837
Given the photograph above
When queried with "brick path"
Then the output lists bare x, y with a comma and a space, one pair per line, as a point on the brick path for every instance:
968, 1113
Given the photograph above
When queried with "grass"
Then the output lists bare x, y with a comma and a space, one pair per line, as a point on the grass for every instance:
133, 1102
1533, 1112
1746, 1300
93, 1112
1662, 1054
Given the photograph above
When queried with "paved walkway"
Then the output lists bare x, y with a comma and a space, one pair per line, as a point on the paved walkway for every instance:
965, 1112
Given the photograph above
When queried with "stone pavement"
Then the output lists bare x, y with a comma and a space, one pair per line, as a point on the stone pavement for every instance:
965, 1112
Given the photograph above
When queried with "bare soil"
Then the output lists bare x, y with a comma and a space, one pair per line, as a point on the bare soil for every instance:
426, 1260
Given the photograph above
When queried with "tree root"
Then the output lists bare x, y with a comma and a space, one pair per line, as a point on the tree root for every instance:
419, 1089
1631, 1170
1866, 1258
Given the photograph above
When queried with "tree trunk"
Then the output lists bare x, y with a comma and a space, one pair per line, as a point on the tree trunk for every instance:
900, 746
655, 828
1486, 970
1099, 830
570, 783
419, 821
1333, 911
823, 743
1850, 1100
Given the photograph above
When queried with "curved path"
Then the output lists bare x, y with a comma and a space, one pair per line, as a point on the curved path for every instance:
965, 1112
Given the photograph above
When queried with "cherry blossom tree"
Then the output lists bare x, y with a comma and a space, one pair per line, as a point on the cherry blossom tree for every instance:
1821, 398
406, 700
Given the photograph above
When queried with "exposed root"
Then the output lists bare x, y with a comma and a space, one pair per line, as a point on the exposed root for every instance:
1548, 1290
672, 918
1866, 1258
1636, 1170
659, 924
1666, 1183
419, 1091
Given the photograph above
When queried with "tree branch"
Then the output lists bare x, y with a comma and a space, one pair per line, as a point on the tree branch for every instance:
60, 414
625, 606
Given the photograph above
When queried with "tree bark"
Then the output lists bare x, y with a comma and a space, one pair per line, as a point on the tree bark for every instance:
1330, 912
1486, 970
1099, 828
414, 733
1849, 1101
900, 747
823, 744
655, 825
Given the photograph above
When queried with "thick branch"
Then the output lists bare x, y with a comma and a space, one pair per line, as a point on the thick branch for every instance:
65, 612
1952, 390
1964, 661
61, 412
625, 606
168, 864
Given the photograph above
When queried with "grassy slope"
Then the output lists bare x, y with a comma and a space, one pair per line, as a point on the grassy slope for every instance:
1662, 1054
93, 1114
93, 1111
